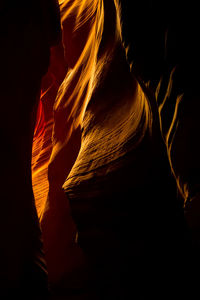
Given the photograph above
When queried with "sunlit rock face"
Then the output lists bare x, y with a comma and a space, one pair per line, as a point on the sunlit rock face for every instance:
113, 189
59, 233
108, 153
42, 142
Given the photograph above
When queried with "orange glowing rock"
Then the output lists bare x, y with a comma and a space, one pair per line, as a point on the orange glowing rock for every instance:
59, 232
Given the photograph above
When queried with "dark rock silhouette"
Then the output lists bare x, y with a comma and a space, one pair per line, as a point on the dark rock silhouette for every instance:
27, 33
165, 55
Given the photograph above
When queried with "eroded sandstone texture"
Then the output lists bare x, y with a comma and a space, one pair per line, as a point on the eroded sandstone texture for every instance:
113, 145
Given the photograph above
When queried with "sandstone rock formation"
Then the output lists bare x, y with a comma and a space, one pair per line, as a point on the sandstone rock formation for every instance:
110, 142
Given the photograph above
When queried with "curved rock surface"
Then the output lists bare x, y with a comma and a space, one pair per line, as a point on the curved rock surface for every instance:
118, 183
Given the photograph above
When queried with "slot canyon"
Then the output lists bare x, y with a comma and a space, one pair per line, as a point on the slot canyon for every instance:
100, 169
